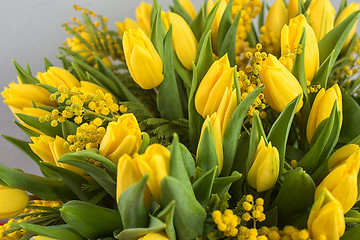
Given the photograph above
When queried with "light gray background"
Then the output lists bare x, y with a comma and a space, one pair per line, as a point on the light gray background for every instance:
31, 30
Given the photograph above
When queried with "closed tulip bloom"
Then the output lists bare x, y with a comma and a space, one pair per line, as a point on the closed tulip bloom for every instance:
321, 108
264, 169
349, 9
189, 7
344, 154
57, 77
121, 137
342, 183
155, 162
321, 17
281, 87
326, 220
212, 87
144, 63
226, 108
290, 37
214, 122
293, 8
154, 236
183, 39
216, 23
12, 202
143, 15
126, 25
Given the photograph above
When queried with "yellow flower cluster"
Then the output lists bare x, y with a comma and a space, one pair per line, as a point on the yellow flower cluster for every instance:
226, 222
255, 208
273, 233
250, 79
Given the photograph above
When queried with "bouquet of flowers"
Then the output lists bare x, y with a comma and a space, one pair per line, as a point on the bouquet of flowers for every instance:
192, 125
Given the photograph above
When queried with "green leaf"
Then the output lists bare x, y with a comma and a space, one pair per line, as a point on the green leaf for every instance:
167, 216
68, 128
177, 8
261, 19
168, 98
23, 146
189, 215
296, 195
206, 155
44, 127
72, 179
158, 33
225, 24
298, 69
203, 187
26, 130
279, 131
45, 188
205, 57
223, 184
47, 63
61, 232
197, 25
131, 206
188, 160
135, 233
252, 37
351, 114
233, 129
352, 216
351, 234
90, 220
25, 77
102, 177
145, 142
228, 46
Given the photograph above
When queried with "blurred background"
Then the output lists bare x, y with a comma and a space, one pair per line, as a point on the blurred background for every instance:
31, 30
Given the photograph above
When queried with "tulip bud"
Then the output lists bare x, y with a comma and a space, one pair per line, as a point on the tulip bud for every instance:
212, 87
57, 77
143, 15
326, 217
342, 182
216, 23
154, 236
349, 9
121, 137
281, 87
290, 37
144, 63
293, 8
189, 8
264, 169
276, 18
183, 39
214, 121
155, 162
226, 108
126, 26
343, 155
321, 108
321, 17
12, 202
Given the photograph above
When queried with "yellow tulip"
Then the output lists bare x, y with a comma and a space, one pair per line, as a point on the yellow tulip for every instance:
128, 173
189, 8
12, 202
226, 108
326, 220
212, 87
216, 23
264, 169
276, 18
321, 108
290, 37
121, 137
143, 15
281, 87
321, 17
155, 162
154, 236
183, 39
144, 63
293, 8
126, 26
214, 122
343, 155
57, 77
342, 182
349, 9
